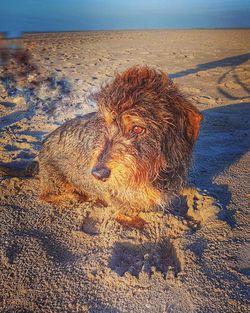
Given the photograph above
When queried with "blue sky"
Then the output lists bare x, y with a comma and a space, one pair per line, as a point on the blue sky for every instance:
67, 15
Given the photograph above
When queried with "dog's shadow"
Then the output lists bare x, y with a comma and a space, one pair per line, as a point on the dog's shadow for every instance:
223, 141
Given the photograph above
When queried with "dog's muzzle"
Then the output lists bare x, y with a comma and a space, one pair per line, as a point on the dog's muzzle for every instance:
101, 173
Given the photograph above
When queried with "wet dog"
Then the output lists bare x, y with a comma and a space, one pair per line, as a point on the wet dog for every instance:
134, 152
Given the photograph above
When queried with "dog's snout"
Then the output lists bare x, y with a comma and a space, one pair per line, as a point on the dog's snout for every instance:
101, 173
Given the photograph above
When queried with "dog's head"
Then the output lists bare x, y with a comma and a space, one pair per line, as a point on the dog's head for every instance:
150, 129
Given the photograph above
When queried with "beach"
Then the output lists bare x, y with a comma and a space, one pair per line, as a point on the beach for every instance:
75, 257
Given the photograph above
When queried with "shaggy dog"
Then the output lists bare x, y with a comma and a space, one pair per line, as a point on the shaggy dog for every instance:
134, 152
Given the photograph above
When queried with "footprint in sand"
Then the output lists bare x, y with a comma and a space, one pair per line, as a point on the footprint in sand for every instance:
148, 258
197, 207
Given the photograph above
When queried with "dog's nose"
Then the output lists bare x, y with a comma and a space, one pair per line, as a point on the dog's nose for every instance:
101, 173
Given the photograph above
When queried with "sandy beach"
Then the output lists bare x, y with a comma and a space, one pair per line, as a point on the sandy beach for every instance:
74, 257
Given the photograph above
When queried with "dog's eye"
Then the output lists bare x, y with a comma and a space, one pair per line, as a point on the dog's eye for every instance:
138, 130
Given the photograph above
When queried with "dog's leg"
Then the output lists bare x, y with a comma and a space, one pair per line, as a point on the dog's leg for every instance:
128, 214
129, 221
55, 188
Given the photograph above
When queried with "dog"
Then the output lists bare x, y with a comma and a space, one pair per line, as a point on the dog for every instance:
134, 152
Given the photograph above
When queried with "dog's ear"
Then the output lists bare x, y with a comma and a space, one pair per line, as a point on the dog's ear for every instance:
194, 118
177, 146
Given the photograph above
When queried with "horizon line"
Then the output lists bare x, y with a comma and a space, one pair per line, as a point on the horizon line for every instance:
5, 33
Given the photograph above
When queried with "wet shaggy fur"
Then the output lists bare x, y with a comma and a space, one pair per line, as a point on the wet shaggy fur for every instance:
134, 152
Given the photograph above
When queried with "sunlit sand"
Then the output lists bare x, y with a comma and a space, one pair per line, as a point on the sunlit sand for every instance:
75, 257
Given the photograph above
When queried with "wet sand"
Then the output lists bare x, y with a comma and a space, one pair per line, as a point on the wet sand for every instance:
76, 257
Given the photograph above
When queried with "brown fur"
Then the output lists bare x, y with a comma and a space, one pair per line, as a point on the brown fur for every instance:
146, 169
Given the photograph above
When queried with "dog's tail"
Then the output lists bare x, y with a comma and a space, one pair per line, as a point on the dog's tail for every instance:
24, 170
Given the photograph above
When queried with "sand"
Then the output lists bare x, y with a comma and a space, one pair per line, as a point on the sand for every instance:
195, 256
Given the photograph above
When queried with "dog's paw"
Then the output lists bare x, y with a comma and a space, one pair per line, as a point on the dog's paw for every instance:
130, 221
62, 198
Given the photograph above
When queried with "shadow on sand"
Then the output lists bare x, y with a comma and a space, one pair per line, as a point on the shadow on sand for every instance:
232, 62
20, 77
223, 140
224, 137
